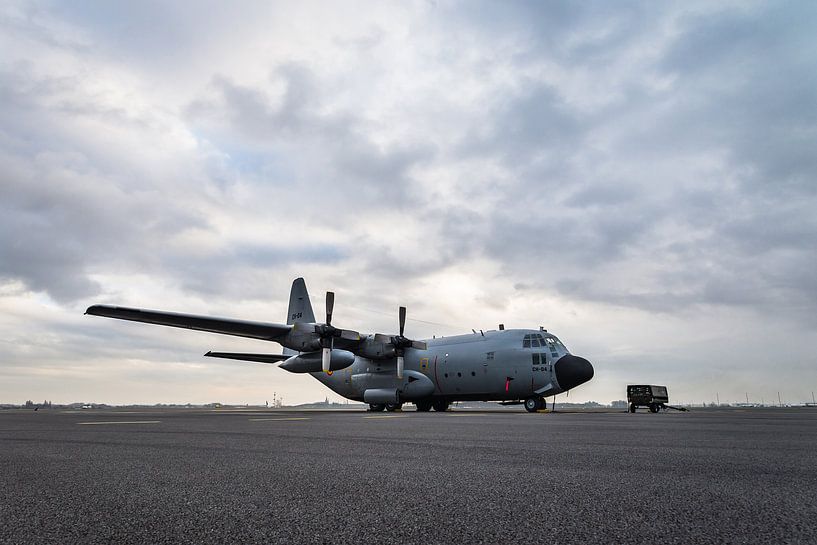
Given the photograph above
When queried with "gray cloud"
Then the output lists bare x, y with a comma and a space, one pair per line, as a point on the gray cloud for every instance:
644, 159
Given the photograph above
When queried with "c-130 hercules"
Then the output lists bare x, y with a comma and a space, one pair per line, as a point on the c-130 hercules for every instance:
509, 365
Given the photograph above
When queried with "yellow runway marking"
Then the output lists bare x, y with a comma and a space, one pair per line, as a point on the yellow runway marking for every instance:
277, 419
119, 422
387, 416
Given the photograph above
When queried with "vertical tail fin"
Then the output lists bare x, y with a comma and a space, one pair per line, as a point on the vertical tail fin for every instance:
300, 308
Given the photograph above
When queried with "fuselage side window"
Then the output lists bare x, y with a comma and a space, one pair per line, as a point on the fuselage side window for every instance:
535, 358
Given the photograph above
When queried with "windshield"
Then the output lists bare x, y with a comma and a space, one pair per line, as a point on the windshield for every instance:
546, 340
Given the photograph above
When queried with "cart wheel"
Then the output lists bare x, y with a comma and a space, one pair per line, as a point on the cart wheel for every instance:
654, 408
632, 407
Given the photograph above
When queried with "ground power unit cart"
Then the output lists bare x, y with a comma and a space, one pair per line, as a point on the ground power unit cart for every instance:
653, 397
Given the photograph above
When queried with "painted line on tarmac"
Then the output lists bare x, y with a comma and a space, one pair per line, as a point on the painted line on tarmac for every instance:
278, 419
90, 412
119, 422
388, 416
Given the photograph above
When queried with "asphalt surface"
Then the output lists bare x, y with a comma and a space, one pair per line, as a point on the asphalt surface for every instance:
186, 476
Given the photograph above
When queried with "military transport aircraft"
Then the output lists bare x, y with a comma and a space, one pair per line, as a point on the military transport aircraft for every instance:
508, 365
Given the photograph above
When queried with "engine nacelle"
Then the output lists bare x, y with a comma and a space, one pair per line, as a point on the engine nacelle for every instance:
310, 362
375, 350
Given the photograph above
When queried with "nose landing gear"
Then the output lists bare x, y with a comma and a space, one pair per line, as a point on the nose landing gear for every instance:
533, 404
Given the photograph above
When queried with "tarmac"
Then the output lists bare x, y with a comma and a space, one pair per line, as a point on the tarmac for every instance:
282, 476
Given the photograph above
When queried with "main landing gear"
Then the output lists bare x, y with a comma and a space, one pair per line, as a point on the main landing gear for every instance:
380, 407
533, 404
440, 406
423, 406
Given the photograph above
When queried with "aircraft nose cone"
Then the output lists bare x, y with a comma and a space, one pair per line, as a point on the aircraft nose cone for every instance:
572, 370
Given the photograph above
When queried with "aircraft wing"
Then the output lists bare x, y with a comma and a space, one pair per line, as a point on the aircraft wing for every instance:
225, 326
261, 358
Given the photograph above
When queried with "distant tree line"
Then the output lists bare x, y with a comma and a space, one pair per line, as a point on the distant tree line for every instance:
31, 405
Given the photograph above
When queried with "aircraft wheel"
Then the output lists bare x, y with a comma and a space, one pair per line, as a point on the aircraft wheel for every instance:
533, 404
391, 407
376, 407
632, 407
440, 406
423, 406
654, 407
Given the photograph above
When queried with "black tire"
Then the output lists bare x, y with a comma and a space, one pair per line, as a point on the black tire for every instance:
392, 407
440, 406
423, 406
654, 408
533, 404
376, 407
632, 407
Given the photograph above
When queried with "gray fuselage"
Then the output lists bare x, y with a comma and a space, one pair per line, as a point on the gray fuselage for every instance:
492, 366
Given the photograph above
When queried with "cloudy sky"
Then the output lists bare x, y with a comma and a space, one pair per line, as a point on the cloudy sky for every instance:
638, 177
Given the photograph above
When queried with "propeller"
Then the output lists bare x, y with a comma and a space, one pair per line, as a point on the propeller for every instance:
327, 333
400, 343
327, 344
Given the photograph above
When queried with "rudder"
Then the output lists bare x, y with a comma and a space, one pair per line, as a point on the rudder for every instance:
300, 308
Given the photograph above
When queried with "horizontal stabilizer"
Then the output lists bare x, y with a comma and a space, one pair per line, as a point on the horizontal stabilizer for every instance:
262, 358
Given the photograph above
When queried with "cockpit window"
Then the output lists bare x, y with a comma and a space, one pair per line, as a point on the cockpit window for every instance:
537, 340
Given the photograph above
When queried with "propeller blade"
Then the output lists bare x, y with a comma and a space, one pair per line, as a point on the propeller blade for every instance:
330, 306
380, 338
402, 320
349, 335
419, 345
326, 359
400, 364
